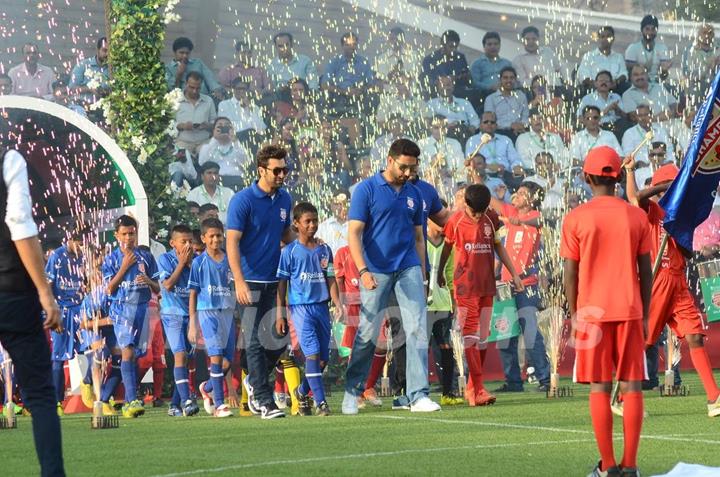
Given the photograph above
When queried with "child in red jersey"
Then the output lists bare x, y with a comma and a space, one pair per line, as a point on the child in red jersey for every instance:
672, 304
473, 234
607, 276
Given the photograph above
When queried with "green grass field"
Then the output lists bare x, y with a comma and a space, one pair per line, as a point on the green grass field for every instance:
522, 435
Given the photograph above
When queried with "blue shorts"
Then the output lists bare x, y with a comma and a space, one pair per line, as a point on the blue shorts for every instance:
218, 329
312, 327
106, 334
176, 328
66, 344
131, 323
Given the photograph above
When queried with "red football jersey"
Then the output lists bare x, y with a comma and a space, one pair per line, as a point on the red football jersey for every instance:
474, 243
522, 243
672, 259
345, 268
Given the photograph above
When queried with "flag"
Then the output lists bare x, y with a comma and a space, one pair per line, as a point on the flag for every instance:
689, 199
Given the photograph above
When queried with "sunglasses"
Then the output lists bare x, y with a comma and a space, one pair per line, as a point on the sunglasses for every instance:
489, 122
657, 154
278, 170
406, 167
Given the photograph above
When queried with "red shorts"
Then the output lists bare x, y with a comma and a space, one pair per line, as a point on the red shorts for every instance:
601, 347
474, 314
673, 305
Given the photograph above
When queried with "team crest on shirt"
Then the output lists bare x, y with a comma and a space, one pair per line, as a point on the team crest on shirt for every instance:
229, 276
324, 262
410, 203
518, 236
355, 282
283, 214
424, 206
487, 230
141, 267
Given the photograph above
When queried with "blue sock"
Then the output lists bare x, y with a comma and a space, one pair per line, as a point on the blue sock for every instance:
88, 374
216, 377
313, 374
58, 374
182, 383
113, 379
304, 387
175, 400
129, 379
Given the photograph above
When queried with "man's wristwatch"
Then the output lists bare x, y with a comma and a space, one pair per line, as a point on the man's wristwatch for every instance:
363, 270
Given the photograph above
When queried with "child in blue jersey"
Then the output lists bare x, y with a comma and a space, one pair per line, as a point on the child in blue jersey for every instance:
173, 276
212, 302
95, 312
64, 271
307, 265
126, 272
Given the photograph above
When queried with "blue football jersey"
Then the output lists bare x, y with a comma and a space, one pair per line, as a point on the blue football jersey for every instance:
306, 270
129, 292
65, 272
213, 283
95, 301
176, 301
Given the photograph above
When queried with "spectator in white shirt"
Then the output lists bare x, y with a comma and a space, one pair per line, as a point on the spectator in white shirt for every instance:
537, 60
244, 115
662, 103
648, 52
634, 136
462, 120
442, 154
590, 137
381, 146
537, 140
182, 168
600, 59
610, 104
500, 155
195, 115
334, 230
31, 78
225, 150
210, 191
656, 157
509, 105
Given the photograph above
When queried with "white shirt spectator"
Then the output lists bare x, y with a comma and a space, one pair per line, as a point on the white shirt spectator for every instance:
636, 134
241, 117
38, 85
530, 144
230, 157
636, 53
544, 63
221, 198
203, 111
595, 99
594, 61
18, 210
460, 110
499, 150
554, 194
333, 233
449, 147
187, 168
582, 142
657, 97
509, 109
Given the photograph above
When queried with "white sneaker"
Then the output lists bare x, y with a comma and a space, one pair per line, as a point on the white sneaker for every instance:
207, 400
280, 400
714, 408
349, 404
252, 403
223, 411
424, 404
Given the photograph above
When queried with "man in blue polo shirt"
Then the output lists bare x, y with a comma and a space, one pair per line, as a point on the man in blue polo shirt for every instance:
258, 220
387, 244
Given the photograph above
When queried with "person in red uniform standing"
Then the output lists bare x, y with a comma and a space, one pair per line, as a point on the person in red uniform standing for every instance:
672, 304
473, 234
609, 304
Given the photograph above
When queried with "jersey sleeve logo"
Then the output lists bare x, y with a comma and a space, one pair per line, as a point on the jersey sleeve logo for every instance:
283, 214
410, 203
487, 230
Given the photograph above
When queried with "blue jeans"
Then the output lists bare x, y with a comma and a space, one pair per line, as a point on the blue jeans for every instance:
527, 304
409, 290
258, 325
22, 336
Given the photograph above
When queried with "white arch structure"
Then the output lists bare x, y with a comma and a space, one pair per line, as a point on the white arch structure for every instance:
140, 208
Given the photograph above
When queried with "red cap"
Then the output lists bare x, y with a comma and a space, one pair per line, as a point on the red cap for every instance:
666, 173
602, 161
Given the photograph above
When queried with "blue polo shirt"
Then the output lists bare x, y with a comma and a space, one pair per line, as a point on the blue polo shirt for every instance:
306, 270
262, 220
65, 272
390, 219
431, 206
129, 292
176, 301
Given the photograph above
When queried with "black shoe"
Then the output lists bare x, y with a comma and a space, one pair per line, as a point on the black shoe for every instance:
158, 403
543, 388
630, 472
507, 389
303, 403
270, 411
323, 409
610, 472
